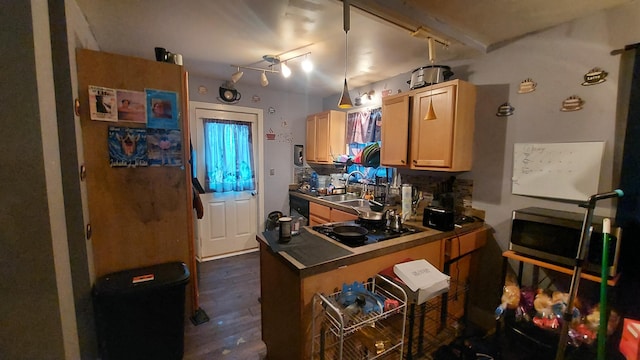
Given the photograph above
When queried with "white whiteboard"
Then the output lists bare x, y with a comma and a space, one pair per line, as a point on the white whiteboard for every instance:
558, 170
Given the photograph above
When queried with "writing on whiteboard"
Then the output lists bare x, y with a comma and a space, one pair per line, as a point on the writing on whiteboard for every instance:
557, 170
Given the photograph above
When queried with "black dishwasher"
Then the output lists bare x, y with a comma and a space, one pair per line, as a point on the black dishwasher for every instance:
299, 207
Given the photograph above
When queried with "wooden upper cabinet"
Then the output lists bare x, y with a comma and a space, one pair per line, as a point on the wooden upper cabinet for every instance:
444, 143
325, 136
395, 130
310, 148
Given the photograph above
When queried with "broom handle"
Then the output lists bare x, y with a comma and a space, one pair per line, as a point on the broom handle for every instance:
602, 328
583, 247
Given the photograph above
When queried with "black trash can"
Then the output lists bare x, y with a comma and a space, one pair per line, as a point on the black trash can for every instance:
140, 313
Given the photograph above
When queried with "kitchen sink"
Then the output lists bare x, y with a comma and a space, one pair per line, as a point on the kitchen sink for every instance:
355, 202
339, 198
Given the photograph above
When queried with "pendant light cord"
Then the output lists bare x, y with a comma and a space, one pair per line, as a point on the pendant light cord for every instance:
346, 53
346, 26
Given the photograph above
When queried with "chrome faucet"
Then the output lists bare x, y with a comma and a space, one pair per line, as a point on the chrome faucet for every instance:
355, 172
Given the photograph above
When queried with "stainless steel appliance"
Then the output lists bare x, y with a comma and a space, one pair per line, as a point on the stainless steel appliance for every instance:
429, 75
554, 236
438, 218
298, 208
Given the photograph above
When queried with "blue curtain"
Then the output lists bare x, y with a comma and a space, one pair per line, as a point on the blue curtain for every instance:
228, 156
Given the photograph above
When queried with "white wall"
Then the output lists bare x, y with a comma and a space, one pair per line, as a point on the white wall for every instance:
557, 60
287, 122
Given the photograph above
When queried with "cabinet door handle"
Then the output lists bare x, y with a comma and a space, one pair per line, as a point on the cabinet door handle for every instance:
402, 161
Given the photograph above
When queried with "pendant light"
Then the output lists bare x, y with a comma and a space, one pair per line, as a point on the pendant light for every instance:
345, 99
431, 114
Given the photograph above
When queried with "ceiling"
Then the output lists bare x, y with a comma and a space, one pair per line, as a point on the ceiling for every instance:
386, 37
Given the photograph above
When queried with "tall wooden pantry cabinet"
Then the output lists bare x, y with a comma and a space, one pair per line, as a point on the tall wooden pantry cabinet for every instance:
139, 216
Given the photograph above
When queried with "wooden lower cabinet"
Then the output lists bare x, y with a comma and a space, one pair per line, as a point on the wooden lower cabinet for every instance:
339, 216
320, 214
457, 255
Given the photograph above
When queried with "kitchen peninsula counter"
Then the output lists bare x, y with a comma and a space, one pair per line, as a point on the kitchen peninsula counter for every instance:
332, 254
291, 273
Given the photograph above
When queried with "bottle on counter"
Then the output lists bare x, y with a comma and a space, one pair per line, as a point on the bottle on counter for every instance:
313, 182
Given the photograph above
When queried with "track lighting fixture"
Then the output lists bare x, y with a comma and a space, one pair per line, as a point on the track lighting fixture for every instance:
273, 61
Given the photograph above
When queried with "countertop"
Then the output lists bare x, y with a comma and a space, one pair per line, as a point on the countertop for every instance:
331, 254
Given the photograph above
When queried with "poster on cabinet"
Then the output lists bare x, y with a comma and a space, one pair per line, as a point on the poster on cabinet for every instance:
162, 109
127, 147
102, 103
164, 147
131, 106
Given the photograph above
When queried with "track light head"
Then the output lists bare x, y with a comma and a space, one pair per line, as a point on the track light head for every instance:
236, 76
263, 79
286, 71
307, 65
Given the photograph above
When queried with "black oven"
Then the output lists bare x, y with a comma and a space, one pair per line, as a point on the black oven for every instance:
554, 236
299, 207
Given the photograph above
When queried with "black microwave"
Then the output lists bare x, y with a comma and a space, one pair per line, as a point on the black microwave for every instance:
554, 236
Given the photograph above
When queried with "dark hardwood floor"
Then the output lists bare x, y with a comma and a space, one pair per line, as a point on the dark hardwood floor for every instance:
229, 294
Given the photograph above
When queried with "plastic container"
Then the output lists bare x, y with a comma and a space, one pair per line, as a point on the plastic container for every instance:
313, 182
406, 201
285, 229
140, 313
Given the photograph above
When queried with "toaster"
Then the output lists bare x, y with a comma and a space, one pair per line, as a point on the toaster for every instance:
438, 218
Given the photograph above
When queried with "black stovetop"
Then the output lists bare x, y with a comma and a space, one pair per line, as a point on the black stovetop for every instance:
375, 233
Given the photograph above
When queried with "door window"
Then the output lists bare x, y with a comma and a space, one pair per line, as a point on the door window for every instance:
228, 156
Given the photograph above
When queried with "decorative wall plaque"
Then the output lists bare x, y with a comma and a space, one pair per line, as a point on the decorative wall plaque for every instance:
572, 103
505, 110
594, 76
527, 86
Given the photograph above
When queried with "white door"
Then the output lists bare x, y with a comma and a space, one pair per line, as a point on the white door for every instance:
230, 220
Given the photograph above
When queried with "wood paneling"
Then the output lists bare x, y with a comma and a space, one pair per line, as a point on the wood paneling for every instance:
139, 216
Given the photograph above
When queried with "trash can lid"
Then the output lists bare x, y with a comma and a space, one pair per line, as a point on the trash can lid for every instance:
145, 278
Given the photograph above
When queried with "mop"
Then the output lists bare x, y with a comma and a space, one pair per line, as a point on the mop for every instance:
583, 247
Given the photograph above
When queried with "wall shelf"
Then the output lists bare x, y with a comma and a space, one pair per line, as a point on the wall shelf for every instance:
561, 269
